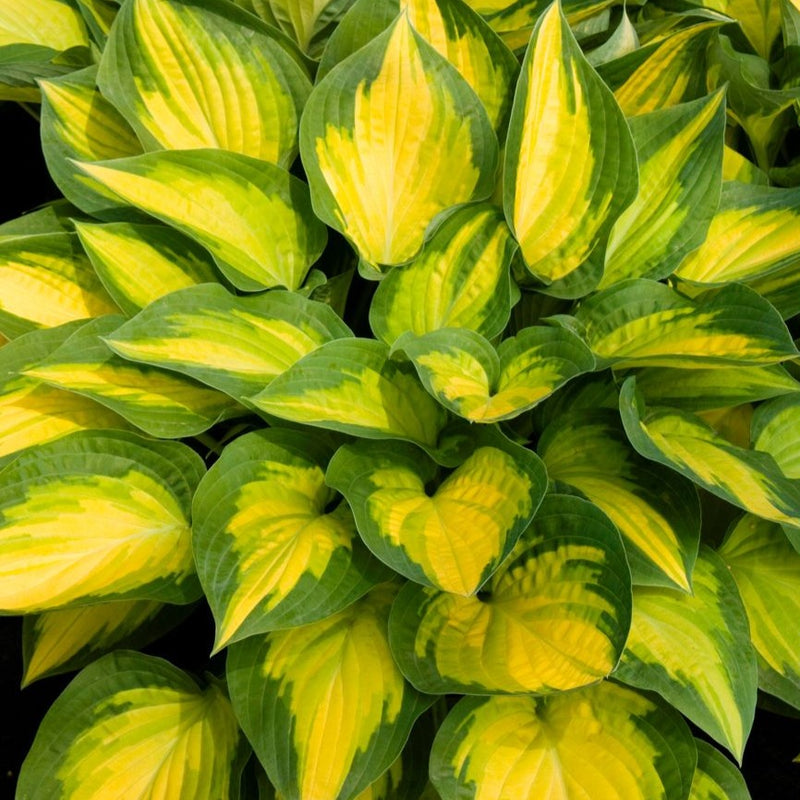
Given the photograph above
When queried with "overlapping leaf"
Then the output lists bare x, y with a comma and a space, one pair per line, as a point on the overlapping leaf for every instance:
253, 217
298, 692
776, 430
564, 115
235, 344
553, 617
387, 147
605, 741
454, 536
97, 516
268, 553
56, 24
308, 22
715, 777
131, 725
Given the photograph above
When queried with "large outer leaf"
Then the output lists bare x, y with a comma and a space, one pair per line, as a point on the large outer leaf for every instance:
460, 280
452, 537
656, 511
354, 387
715, 778
553, 617
158, 402
570, 164
644, 323
189, 74
680, 165
324, 706
605, 742
694, 650
682, 441
467, 376
97, 516
135, 726
268, 554
235, 344
767, 572
387, 146
254, 217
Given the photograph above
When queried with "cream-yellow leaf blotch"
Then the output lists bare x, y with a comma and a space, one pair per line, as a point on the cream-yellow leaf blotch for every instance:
50, 23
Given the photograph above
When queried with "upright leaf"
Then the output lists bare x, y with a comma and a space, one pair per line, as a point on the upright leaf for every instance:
715, 777
308, 22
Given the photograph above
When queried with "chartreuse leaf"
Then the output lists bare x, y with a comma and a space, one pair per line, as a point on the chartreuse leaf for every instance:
706, 389
253, 217
97, 516
776, 430
387, 147
754, 233
235, 344
695, 651
656, 511
760, 21
460, 280
645, 323
32, 412
131, 725
452, 537
735, 167
51, 23
99, 16
564, 114
680, 167
46, 280
605, 742
79, 123
159, 402
194, 74
139, 263
354, 387
456, 32
465, 374
682, 441
553, 617
268, 553
782, 289
309, 22
666, 73
67, 639
766, 569
715, 777
324, 706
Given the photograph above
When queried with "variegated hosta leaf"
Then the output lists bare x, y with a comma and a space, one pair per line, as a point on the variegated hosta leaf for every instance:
624, 39
94, 517
308, 22
390, 139
776, 430
644, 323
235, 344
453, 537
189, 74
570, 164
131, 725
32, 412
553, 617
354, 387
50, 23
465, 374
67, 639
755, 232
324, 706
158, 402
79, 123
606, 742
735, 167
680, 164
268, 553
664, 74
781, 289
140, 263
456, 32
705, 389
695, 651
715, 777
682, 441
766, 569
656, 511
254, 217
99, 17
460, 280
46, 280
760, 20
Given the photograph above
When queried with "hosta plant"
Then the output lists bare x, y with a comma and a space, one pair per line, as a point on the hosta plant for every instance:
440, 349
